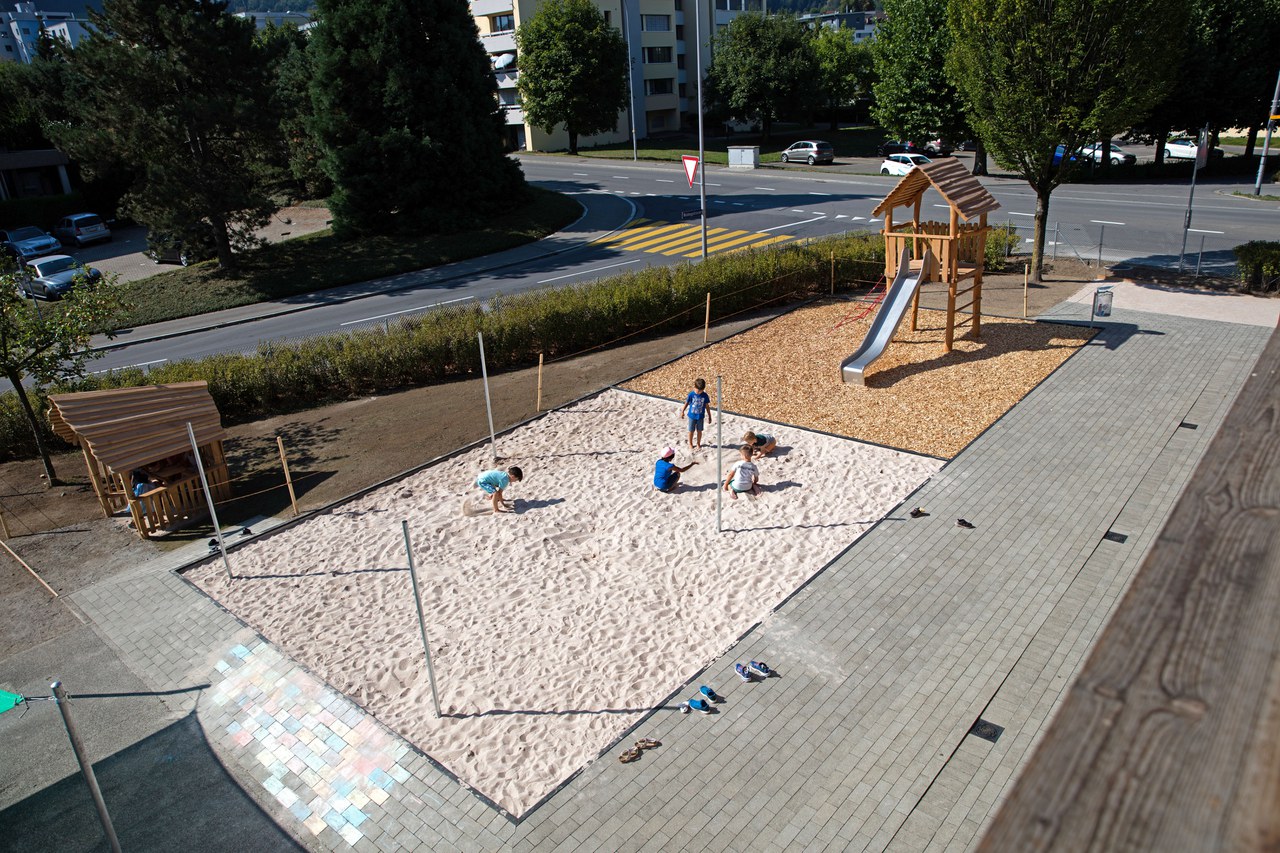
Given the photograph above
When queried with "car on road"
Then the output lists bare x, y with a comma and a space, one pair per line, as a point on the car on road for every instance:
938, 147
81, 229
166, 248
901, 164
28, 242
809, 151
1095, 153
897, 146
52, 276
1185, 148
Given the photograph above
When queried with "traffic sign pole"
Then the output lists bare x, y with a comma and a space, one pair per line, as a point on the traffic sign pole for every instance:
702, 156
1266, 142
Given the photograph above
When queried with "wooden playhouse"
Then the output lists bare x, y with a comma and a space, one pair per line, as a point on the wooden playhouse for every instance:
126, 430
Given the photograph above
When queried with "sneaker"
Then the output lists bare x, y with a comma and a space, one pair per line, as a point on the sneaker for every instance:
743, 672
700, 705
762, 668
709, 693
967, 525
684, 707
917, 512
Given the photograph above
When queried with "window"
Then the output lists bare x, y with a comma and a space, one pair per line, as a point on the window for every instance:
679, 5
679, 32
502, 23
655, 23
684, 90
657, 121
608, 19
680, 61
659, 87
654, 55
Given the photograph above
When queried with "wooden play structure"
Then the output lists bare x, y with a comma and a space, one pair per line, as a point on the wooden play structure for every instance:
954, 251
126, 430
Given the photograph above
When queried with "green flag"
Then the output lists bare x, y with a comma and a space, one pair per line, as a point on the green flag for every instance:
9, 701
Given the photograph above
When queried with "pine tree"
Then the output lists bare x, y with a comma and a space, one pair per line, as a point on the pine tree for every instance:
405, 110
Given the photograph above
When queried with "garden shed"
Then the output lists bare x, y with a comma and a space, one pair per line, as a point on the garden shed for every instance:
139, 435
959, 247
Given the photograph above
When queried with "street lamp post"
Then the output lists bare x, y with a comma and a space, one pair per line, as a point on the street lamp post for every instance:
702, 154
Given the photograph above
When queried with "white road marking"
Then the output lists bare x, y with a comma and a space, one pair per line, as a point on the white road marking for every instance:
841, 216
856, 218
580, 174
739, 204
1105, 222
407, 311
664, 181
620, 177
766, 189
811, 192
1015, 213
587, 272
942, 205
793, 210
794, 224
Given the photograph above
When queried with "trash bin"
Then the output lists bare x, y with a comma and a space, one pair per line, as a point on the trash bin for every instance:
1102, 301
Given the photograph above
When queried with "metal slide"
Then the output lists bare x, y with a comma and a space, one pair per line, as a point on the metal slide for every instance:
887, 319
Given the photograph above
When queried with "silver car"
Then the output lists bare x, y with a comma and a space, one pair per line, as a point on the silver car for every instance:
52, 277
81, 229
810, 151
28, 242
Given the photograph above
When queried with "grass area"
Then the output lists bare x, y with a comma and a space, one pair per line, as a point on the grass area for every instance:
318, 261
847, 141
1263, 197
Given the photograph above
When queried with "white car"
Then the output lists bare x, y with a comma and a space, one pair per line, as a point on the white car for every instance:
1094, 152
900, 164
1185, 148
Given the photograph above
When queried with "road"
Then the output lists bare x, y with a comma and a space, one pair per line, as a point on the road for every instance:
1141, 223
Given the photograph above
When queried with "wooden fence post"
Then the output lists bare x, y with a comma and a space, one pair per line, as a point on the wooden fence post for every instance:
288, 479
538, 406
706, 324
833, 272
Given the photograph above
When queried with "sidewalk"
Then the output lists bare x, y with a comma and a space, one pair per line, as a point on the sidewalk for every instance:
885, 660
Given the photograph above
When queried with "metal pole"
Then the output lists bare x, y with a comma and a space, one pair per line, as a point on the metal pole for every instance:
484, 372
1266, 141
631, 91
208, 497
1102, 230
719, 450
422, 622
1186, 225
1055, 240
86, 767
702, 154
1200, 257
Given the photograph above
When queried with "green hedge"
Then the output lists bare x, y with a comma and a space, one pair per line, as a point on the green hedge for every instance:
1258, 264
442, 344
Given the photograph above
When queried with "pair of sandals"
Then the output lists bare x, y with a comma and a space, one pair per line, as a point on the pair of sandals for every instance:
634, 752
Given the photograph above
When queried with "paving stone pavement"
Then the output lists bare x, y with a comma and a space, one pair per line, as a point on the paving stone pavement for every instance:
883, 663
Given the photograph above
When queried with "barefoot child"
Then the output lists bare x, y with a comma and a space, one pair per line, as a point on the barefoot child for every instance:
761, 444
743, 476
696, 405
493, 482
666, 473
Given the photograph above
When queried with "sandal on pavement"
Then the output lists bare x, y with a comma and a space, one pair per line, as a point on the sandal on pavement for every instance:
647, 743
629, 756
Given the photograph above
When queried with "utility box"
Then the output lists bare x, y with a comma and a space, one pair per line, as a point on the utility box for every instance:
1102, 301
744, 156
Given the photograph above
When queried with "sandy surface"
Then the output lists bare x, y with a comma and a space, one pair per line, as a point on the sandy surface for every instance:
554, 628
917, 397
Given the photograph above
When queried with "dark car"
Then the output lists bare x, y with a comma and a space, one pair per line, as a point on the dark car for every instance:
52, 276
28, 242
810, 151
899, 147
165, 248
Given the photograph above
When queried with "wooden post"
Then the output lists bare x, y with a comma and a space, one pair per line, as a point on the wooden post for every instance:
980, 267
833, 272
537, 407
706, 324
1026, 277
4, 526
288, 479
29, 569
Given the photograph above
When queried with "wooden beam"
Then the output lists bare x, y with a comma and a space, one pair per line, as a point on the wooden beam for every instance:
1170, 737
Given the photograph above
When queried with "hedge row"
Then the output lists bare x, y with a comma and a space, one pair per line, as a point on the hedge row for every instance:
442, 344
1258, 264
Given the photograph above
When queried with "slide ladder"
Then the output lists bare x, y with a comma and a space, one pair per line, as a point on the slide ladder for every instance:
887, 319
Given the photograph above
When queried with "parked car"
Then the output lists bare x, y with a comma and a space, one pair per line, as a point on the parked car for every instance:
810, 151
938, 147
900, 164
1095, 153
898, 147
1058, 154
52, 276
1185, 148
81, 229
967, 145
164, 248
28, 242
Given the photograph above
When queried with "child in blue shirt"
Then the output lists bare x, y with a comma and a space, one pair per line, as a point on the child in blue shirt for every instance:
696, 404
493, 482
666, 473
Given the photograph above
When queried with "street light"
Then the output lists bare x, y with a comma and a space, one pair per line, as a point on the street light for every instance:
702, 154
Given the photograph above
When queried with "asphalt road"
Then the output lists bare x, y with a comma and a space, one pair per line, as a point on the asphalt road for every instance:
1139, 223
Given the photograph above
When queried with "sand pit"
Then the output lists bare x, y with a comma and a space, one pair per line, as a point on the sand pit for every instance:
556, 627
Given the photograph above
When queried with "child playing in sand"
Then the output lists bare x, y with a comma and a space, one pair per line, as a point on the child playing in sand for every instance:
666, 473
493, 482
743, 476
761, 444
696, 405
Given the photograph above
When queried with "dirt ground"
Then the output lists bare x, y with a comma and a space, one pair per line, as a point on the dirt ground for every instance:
333, 452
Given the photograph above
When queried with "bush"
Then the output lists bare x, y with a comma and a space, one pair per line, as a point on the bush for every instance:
1258, 264
1002, 241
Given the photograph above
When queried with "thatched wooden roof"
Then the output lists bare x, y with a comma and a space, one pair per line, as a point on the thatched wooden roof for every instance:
953, 182
125, 428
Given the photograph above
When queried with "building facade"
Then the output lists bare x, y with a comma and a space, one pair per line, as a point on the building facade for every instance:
20, 30
661, 38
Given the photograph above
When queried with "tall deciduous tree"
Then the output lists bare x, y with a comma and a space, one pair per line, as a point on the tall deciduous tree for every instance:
50, 343
176, 91
1035, 75
846, 68
573, 69
764, 67
405, 109
914, 98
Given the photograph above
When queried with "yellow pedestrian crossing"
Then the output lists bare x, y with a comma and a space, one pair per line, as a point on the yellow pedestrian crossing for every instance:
656, 236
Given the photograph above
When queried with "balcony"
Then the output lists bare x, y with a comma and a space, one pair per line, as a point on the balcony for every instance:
506, 79
512, 113
499, 42
484, 8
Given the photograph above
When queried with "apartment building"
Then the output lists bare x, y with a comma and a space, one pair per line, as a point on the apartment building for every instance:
863, 24
660, 36
20, 29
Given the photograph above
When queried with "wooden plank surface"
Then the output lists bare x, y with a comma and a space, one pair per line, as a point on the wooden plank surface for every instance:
1170, 738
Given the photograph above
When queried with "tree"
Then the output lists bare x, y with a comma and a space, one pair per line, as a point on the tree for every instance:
845, 68
49, 344
405, 109
290, 70
1037, 75
914, 98
573, 69
763, 67
176, 91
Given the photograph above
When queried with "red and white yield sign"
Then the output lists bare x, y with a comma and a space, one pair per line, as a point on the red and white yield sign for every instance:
690, 166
